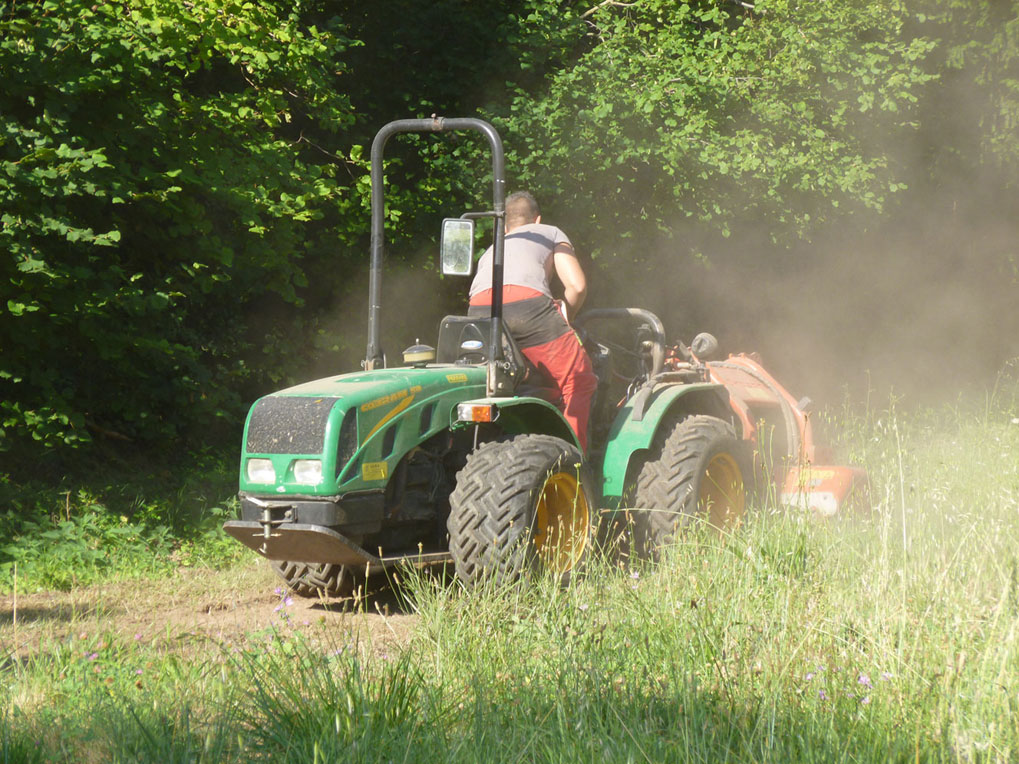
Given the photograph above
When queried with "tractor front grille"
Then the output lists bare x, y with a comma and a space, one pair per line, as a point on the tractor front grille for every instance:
288, 425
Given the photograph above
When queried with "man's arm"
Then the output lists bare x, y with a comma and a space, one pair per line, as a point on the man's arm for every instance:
567, 268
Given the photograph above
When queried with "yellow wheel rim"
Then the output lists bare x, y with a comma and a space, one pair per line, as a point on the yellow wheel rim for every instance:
723, 496
562, 523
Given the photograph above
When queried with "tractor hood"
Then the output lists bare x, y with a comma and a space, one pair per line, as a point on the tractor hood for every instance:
345, 433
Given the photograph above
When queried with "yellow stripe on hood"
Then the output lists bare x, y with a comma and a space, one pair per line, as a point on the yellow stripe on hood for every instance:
392, 413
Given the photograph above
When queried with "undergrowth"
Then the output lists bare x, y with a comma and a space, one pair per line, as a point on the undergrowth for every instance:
116, 519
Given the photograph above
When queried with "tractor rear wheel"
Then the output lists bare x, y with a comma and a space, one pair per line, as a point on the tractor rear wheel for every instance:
699, 472
522, 505
319, 580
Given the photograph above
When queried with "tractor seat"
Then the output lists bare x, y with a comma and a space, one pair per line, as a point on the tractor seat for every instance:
466, 340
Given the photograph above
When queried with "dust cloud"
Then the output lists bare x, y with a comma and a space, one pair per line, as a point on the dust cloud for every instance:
923, 306
415, 299
920, 301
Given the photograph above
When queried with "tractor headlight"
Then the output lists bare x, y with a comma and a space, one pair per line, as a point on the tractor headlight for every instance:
308, 471
261, 471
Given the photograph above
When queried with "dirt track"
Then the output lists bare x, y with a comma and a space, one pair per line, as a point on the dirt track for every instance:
193, 612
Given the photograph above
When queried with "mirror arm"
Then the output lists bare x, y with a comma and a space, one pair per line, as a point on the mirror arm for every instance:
482, 215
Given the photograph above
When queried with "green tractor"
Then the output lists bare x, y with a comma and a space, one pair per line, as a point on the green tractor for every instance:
455, 456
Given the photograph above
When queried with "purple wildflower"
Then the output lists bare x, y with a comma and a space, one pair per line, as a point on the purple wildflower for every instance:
822, 695
93, 656
865, 681
635, 574
865, 700
810, 675
885, 676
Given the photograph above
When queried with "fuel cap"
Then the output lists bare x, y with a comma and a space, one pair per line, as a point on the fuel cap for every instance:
418, 354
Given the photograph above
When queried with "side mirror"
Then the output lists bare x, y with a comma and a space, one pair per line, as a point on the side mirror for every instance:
456, 247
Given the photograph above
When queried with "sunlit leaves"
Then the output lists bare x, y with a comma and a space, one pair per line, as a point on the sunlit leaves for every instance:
150, 189
716, 113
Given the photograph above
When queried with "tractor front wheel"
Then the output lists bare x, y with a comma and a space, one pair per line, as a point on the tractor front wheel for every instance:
698, 472
319, 580
521, 505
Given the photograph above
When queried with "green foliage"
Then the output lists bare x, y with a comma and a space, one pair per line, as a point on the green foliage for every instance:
708, 113
116, 523
97, 546
973, 117
152, 188
81, 551
443, 57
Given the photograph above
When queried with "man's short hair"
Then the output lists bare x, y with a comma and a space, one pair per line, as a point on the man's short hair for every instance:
521, 208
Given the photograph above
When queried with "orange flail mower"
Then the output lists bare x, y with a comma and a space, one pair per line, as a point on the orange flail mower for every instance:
786, 455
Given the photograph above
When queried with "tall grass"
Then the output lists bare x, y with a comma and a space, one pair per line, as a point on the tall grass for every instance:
885, 637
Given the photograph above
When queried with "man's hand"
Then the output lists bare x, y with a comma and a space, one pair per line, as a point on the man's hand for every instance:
567, 268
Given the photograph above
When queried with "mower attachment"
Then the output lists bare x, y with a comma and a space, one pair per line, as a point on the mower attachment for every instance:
826, 490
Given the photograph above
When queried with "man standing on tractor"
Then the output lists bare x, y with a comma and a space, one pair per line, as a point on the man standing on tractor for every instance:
538, 323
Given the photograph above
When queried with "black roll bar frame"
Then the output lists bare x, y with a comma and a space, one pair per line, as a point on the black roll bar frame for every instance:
374, 357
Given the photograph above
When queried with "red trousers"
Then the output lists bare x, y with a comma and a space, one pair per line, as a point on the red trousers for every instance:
565, 362
532, 318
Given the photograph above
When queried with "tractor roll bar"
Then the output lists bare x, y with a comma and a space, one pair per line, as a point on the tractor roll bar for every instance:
374, 356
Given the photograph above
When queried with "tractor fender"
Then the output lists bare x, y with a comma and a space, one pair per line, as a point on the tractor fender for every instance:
523, 414
638, 422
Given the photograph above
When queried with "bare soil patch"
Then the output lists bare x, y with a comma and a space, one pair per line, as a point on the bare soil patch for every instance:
197, 611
